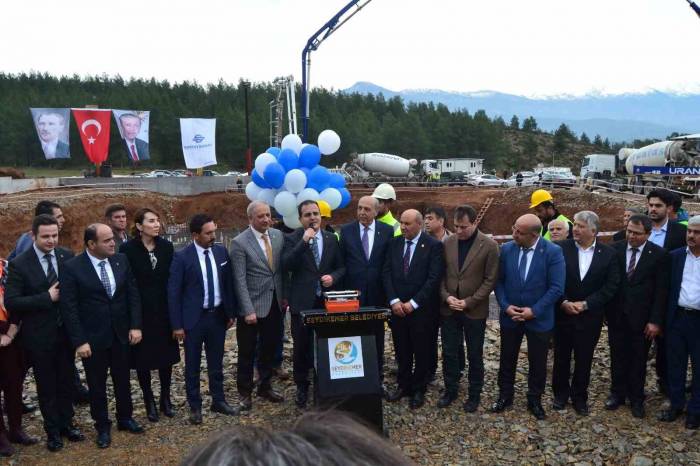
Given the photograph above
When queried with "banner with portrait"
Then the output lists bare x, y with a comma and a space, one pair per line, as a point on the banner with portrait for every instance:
52, 128
198, 141
133, 128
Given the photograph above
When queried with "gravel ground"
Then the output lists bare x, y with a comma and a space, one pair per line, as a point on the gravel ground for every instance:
429, 435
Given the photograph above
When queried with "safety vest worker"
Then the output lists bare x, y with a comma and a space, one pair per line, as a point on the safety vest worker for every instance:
386, 195
543, 203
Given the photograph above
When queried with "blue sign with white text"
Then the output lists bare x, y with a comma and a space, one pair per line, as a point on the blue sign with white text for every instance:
678, 171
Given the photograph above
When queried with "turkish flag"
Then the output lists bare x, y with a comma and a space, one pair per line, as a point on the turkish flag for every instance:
93, 127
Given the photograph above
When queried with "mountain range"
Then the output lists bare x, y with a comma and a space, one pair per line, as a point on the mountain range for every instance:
622, 117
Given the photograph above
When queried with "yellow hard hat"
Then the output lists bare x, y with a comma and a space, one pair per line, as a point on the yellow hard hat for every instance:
324, 208
540, 196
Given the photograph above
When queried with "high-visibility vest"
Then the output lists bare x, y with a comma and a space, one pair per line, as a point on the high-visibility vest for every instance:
545, 233
392, 222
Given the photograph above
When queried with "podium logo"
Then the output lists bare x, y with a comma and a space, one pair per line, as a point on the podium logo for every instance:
345, 352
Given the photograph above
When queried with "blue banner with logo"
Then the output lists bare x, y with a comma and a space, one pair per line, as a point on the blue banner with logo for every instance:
678, 171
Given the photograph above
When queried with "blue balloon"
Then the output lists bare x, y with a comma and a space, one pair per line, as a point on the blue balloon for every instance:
274, 175
288, 159
258, 180
345, 198
274, 151
309, 156
336, 180
318, 178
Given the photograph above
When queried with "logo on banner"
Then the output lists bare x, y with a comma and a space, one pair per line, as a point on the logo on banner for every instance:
345, 357
198, 141
198, 138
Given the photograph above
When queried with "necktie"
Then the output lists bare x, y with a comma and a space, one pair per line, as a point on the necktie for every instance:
268, 251
317, 259
134, 155
210, 280
407, 257
105, 278
365, 242
633, 263
50, 271
522, 267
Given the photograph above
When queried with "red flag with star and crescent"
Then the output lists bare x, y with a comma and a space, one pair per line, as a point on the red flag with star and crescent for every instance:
93, 127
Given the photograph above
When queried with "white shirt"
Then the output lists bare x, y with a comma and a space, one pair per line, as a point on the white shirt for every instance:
110, 274
215, 269
658, 237
414, 243
49, 148
370, 235
585, 258
261, 242
636, 259
690, 285
530, 255
44, 265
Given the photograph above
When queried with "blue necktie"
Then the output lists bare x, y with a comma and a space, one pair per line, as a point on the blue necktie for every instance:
365, 242
210, 280
522, 267
407, 257
317, 259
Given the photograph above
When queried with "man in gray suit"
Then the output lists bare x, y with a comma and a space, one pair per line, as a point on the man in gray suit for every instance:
257, 277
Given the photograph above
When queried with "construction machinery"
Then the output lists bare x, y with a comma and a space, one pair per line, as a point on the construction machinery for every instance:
284, 99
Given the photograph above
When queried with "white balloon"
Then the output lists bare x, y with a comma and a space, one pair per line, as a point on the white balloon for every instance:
252, 190
294, 180
267, 196
307, 194
286, 203
262, 161
332, 196
292, 221
292, 141
328, 142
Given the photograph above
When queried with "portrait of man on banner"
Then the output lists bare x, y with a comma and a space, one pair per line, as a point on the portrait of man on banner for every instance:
133, 128
52, 128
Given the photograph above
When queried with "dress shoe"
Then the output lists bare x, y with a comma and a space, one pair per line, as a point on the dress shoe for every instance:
151, 410
270, 395
54, 442
196, 417
222, 407
472, 404
104, 439
417, 400
280, 373
22, 438
246, 403
558, 405
670, 415
692, 421
446, 399
637, 410
131, 426
613, 402
582, 409
535, 407
6, 448
28, 408
302, 397
73, 434
501, 405
166, 406
396, 395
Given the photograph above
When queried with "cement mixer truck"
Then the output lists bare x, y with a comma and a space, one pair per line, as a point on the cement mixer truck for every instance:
674, 164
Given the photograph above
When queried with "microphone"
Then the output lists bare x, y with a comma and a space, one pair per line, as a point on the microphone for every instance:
312, 239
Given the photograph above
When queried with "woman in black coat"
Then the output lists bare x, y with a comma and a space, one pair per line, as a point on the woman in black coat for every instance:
150, 257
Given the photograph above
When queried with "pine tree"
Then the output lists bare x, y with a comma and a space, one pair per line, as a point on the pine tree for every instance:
515, 123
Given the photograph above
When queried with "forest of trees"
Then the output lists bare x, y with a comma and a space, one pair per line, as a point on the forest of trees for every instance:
365, 123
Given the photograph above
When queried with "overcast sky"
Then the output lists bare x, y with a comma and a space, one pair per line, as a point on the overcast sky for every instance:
536, 47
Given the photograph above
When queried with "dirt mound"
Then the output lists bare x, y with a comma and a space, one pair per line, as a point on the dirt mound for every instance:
13, 173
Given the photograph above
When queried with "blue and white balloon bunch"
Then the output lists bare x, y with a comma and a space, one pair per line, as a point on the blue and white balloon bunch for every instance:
287, 176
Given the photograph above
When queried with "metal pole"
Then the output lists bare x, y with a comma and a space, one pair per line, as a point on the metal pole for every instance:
249, 150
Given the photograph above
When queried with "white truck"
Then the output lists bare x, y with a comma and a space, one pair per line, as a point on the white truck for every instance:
674, 164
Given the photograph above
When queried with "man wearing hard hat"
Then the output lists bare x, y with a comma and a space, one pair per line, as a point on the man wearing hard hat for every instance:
543, 203
385, 194
325, 210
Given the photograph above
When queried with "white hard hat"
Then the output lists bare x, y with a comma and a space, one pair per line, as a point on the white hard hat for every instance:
384, 191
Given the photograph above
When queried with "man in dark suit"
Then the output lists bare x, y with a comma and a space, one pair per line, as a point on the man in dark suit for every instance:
363, 245
471, 271
32, 295
531, 281
635, 316
131, 126
683, 328
201, 303
413, 269
51, 126
101, 311
312, 257
592, 279
669, 235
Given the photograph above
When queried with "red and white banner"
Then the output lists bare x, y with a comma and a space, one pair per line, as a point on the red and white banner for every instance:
93, 127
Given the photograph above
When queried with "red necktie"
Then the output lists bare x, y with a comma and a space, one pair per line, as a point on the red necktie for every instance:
134, 155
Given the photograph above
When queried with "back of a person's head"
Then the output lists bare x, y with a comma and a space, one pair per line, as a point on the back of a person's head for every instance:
327, 438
